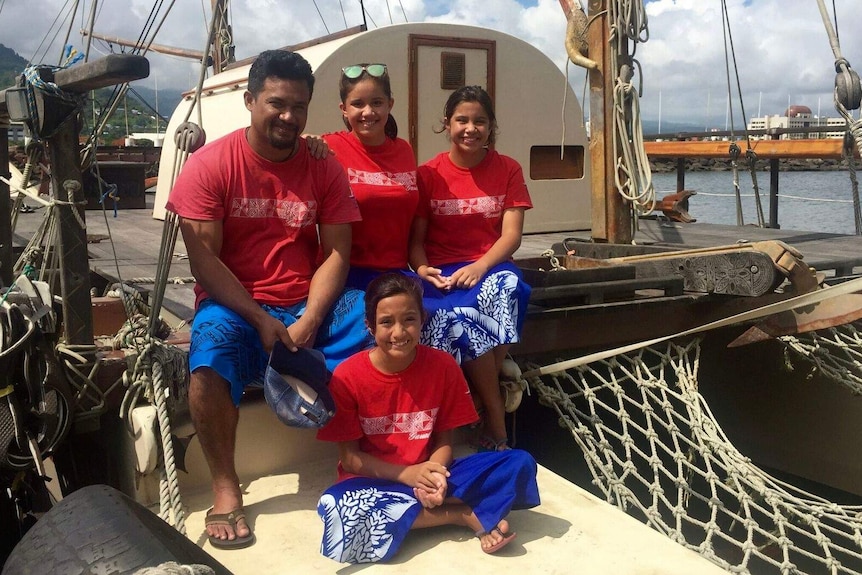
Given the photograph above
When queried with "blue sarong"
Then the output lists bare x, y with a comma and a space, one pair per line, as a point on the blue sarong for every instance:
223, 341
468, 323
366, 519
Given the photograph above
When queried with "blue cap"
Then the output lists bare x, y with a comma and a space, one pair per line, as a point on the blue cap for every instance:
295, 387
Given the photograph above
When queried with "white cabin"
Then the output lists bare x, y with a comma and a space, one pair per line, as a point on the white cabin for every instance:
426, 63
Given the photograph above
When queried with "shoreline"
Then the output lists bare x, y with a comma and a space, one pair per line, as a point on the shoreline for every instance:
668, 165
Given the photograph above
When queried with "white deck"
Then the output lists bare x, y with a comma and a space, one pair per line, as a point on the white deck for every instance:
572, 531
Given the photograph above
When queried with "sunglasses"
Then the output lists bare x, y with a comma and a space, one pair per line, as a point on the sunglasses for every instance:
355, 71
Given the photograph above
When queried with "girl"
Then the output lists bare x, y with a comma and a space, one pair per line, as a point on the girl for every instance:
382, 171
397, 406
468, 225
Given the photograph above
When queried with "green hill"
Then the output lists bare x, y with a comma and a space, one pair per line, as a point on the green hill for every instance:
11, 66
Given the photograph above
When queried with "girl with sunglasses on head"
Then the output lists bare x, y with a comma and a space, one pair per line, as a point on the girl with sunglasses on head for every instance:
468, 226
397, 407
381, 169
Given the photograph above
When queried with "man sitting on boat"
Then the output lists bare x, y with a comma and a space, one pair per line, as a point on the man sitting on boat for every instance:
252, 204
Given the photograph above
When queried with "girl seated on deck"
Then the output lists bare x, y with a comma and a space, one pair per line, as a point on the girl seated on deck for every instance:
397, 408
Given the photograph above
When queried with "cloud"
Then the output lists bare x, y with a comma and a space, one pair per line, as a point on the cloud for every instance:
781, 49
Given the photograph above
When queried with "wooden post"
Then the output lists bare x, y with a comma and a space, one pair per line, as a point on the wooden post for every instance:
773, 189
74, 268
611, 215
67, 183
6, 254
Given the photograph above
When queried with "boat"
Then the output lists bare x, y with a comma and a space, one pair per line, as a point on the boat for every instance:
628, 392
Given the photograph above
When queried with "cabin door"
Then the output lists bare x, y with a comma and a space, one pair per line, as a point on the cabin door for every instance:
438, 66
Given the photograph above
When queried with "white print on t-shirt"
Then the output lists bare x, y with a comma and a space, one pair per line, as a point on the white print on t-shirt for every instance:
293, 214
488, 206
406, 179
418, 424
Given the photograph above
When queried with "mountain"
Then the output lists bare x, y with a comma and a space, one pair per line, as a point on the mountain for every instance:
11, 66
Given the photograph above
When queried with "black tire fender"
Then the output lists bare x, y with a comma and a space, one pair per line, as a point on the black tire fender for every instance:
98, 529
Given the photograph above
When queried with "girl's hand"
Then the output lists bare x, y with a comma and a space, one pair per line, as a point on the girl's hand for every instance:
468, 276
317, 146
434, 498
434, 277
425, 476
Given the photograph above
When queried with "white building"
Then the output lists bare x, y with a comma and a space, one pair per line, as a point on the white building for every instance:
799, 117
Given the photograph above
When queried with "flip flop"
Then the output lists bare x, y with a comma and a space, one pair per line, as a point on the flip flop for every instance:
506, 538
229, 520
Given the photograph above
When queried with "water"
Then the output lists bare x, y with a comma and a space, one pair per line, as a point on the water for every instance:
715, 202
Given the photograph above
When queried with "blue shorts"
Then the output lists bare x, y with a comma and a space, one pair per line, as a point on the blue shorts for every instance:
223, 341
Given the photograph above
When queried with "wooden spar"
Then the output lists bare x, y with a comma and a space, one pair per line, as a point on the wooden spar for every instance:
193, 54
219, 63
823, 148
611, 215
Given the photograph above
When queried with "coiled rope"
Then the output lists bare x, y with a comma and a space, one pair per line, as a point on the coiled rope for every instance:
633, 176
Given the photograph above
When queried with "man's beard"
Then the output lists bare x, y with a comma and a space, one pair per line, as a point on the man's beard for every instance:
286, 142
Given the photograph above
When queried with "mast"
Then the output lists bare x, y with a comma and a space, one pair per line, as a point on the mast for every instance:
222, 49
611, 214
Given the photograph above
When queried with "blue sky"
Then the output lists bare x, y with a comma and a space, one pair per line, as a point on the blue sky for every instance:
781, 47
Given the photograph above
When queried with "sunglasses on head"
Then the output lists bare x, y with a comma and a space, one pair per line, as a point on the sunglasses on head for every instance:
353, 72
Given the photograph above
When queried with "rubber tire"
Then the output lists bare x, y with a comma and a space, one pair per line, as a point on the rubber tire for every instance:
98, 529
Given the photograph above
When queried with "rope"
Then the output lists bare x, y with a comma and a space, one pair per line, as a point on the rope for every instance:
654, 449
156, 361
633, 176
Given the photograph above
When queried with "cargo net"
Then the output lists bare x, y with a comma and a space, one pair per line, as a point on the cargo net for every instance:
655, 450
835, 352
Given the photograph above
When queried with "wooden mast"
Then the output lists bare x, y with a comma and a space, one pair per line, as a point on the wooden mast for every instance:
611, 215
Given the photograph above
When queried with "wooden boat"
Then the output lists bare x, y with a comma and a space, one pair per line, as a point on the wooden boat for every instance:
593, 310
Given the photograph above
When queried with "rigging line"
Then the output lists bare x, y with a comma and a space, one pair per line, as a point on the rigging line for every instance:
321, 16
390, 12
48, 33
724, 26
341, 5
90, 25
148, 25
738, 86
159, 27
362, 9
68, 32
400, 3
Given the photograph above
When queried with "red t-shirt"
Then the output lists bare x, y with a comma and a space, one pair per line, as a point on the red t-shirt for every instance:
270, 211
394, 415
383, 180
464, 206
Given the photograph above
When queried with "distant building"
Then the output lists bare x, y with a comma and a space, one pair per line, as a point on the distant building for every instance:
799, 117
15, 133
156, 138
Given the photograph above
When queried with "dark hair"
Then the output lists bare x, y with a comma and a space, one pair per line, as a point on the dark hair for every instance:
387, 285
471, 94
346, 84
280, 64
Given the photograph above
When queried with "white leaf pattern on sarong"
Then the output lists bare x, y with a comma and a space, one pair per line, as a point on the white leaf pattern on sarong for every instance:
355, 526
492, 322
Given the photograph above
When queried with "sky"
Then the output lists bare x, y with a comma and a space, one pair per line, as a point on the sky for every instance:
781, 48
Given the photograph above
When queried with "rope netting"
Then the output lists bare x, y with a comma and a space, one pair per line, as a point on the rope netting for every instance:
835, 352
655, 450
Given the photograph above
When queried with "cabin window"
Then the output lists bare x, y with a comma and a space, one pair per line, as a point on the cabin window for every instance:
453, 70
545, 163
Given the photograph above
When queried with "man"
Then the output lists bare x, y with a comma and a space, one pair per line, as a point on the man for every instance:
252, 204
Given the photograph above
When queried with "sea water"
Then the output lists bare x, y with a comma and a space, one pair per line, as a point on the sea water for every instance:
808, 201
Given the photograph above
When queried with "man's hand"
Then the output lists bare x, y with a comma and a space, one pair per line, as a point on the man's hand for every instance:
303, 332
271, 330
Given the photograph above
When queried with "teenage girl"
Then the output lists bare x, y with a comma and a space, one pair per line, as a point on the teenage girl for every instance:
397, 406
468, 226
381, 168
